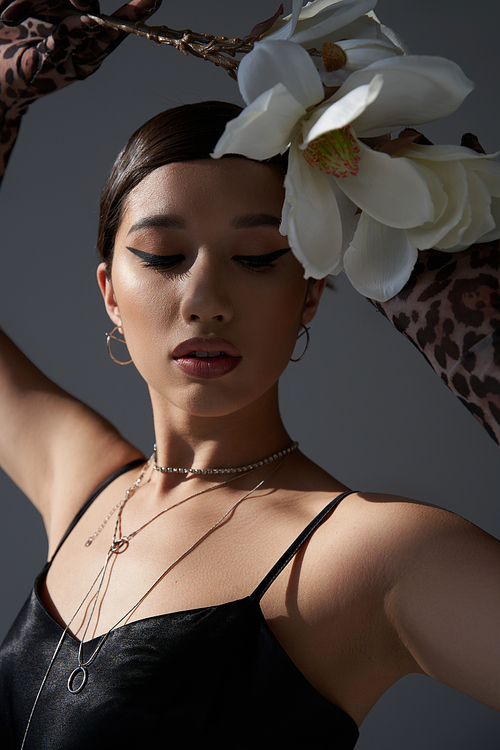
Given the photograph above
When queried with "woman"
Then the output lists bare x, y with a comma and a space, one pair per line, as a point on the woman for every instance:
221, 285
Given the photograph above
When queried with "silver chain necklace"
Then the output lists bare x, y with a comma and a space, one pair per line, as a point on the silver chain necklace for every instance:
235, 470
119, 544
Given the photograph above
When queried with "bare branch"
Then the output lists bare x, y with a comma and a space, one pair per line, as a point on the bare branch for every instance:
216, 49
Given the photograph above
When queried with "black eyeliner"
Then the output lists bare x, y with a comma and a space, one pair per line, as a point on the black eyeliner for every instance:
155, 260
267, 258
162, 260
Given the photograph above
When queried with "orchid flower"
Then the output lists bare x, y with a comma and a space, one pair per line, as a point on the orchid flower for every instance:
332, 173
350, 25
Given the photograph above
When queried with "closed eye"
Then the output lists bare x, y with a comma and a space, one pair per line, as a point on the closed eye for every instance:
260, 261
157, 261
253, 262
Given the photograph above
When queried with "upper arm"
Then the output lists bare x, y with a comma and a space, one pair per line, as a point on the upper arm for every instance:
56, 449
445, 604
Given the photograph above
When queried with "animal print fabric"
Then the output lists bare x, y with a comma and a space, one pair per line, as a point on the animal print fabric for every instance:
50, 46
450, 310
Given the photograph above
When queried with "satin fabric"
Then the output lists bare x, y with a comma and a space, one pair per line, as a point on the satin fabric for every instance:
214, 673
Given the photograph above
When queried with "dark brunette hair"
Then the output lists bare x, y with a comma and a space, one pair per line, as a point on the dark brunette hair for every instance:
180, 134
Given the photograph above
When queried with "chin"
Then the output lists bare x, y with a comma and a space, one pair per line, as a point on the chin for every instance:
197, 400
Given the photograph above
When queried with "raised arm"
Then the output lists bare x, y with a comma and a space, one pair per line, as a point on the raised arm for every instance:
46, 45
54, 447
445, 603
450, 310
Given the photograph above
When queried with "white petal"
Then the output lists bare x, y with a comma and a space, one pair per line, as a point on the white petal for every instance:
390, 189
489, 172
481, 221
318, 19
495, 213
365, 27
307, 23
453, 240
314, 8
264, 128
314, 222
334, 79
446, 152
285, 213
379, 260
363, 52
453, 178
349, 213
342, 112
284, 27
417, 89
392, 37
270, 63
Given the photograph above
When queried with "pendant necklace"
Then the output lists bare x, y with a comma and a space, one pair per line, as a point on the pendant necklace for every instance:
118, 545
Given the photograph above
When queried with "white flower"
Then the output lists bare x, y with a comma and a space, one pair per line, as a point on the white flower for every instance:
331, 172
350, 24
467, 197
465, 189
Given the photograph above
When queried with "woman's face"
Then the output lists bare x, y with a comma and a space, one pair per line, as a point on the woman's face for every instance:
209, 299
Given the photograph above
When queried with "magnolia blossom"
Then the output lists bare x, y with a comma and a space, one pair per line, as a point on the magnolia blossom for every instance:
331, 173
350, 24
465, 190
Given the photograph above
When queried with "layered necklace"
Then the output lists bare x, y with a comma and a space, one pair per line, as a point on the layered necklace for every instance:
119, 544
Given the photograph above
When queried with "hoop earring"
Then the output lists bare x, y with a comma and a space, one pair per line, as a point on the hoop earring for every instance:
306, 331
110, 336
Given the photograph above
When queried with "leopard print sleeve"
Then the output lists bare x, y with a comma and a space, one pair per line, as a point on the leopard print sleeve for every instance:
450, 310
46, 45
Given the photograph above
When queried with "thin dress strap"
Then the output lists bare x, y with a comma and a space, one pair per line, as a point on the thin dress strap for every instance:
292, 550
128, 467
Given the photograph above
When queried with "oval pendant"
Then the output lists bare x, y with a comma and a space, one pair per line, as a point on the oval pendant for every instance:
72, 677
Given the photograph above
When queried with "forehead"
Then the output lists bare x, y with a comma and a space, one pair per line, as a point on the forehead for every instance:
207, 189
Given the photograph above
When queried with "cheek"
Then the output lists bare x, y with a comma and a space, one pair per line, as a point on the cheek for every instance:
275, 319
145, 308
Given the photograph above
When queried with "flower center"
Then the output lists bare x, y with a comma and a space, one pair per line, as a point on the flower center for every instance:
336, 152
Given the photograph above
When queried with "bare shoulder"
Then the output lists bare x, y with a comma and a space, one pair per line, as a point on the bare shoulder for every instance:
441, 575
389, 548
403, 530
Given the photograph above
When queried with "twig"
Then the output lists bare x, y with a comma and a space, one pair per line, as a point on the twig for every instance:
216, 49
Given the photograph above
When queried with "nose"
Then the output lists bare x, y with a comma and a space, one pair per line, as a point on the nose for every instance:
206, 294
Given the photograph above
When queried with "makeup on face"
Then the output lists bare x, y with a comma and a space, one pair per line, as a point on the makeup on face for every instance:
151, 260
209, 294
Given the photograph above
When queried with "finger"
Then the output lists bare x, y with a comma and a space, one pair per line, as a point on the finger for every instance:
86, 6
137, 10
13, 13
52, 11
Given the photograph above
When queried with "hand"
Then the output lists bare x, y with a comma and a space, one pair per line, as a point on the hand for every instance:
53, 44
47, 44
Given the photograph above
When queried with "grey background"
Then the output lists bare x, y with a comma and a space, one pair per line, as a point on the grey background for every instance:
362, 403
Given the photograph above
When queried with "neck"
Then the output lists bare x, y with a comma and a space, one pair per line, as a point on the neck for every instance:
223, 441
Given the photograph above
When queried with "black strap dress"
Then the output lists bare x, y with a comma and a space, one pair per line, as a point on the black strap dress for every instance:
209, 674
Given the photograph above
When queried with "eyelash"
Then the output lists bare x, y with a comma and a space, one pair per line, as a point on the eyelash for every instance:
253, 263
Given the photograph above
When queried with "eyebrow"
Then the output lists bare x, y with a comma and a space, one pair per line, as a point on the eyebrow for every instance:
167, 221
174, 221
249, 221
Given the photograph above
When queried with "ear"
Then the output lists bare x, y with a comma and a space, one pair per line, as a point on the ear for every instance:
108, 294
313, 296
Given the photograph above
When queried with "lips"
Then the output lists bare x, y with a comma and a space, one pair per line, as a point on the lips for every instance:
206, 358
